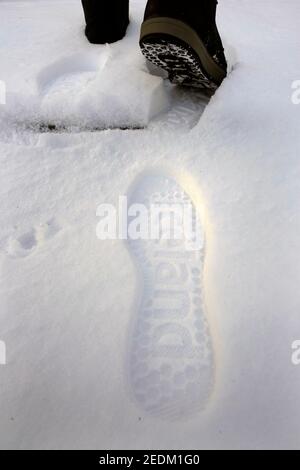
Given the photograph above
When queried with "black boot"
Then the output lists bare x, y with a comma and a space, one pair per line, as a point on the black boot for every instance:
182, 38
106, 20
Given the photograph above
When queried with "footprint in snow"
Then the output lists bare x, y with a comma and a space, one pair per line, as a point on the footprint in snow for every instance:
171, 366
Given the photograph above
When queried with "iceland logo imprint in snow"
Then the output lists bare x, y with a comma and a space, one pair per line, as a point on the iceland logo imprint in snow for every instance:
171, 361
2, 353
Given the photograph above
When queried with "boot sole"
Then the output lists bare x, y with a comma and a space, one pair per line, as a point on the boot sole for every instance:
176, 48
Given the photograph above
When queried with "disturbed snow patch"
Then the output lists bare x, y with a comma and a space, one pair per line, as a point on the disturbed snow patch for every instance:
85, 91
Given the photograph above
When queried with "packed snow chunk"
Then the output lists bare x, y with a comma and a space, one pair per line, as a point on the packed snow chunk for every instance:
80, 91
110, 96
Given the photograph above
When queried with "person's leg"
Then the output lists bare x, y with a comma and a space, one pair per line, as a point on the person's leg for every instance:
106, 20
182, 38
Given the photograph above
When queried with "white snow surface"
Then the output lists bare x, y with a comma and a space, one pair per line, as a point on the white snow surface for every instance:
67, 299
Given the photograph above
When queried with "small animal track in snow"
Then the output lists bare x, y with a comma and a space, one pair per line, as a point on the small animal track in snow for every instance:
26, 243
171, 358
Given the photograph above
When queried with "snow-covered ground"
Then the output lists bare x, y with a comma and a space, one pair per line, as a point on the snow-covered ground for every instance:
68, 300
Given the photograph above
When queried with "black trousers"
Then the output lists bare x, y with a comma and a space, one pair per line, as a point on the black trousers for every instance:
106, 20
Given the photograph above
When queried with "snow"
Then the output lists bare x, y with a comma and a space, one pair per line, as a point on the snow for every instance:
68, 299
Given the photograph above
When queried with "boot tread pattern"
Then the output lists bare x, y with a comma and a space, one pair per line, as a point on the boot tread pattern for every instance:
179, 60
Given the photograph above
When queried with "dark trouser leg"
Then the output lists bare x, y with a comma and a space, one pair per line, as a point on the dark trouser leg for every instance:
106, 20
